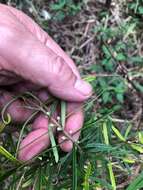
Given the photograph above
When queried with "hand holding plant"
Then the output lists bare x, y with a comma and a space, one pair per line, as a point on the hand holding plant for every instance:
31, 61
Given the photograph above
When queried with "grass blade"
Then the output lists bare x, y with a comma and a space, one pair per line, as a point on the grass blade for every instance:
140, 137
109, 165
112, 177
8, 155
19, 185
128, 131
2, 126
74, 168
53, 143
7, 120
7, 174
22, 131
63, 113
105, 134
137, 147
118, 134
88, 171
137, 183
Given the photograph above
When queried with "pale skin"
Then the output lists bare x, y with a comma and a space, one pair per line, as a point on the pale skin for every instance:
31, 60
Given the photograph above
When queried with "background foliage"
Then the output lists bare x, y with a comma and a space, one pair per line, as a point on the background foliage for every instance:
105, 41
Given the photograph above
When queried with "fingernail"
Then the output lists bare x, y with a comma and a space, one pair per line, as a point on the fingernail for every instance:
83, 87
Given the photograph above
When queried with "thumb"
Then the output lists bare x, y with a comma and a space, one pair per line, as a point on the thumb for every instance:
26, 56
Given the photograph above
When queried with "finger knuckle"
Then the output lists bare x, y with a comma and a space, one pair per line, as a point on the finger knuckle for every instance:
61, 68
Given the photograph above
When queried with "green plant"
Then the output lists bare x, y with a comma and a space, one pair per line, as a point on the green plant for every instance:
136, 6
115, 42
65, 8
109, 152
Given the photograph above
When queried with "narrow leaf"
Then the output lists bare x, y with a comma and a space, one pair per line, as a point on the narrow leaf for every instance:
140, 136
105, 134
63, 113
74, 168
22, 131
8, 155
129, 160
118, 134
136, 183
137, 147
53, 143
90, 78
87, 176
2, 126
112, 177
128, 131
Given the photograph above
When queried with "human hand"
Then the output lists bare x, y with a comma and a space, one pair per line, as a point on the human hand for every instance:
31, 60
